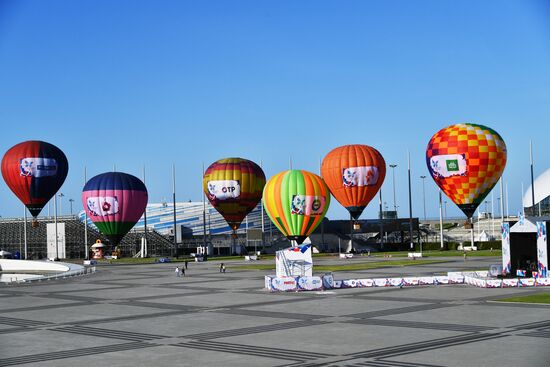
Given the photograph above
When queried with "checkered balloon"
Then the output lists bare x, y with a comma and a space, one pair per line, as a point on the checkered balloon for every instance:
466, 161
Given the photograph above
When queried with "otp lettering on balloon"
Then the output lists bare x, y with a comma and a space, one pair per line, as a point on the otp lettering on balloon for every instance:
307, 205
360, 176
224, 189
102, 206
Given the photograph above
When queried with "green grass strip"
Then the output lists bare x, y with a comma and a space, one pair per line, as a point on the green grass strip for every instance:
543, 297
348, 267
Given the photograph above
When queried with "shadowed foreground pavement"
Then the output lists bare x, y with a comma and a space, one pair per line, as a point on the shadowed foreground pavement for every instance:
143, 315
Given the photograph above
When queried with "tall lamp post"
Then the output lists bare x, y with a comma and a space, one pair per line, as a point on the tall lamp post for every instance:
71, 203
61, 195
393, 179
424, 195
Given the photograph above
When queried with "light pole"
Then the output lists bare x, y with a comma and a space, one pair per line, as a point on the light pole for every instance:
61, 195
393, 179
410, 201
445, 209
424, 195
71, 203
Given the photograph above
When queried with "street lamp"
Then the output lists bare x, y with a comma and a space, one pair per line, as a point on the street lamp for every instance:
71, 202
61, 195
445, 209
424, 195
393, 179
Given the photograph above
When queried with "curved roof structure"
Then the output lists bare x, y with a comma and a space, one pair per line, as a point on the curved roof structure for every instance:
542, 189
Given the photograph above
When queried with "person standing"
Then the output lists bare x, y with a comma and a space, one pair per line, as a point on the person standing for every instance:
182, 271
222, 267
186, 264
177, 271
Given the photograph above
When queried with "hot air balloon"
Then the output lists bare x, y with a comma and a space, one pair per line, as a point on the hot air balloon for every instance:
354, 174
114, 201
466, 161
234, 187
296, 201
34, 170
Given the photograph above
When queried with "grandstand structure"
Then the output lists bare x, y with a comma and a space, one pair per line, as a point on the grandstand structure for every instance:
190, 231
12, 238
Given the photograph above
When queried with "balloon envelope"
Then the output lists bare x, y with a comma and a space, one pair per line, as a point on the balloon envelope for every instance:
466, 161
34, 170
354, 174
114, 201
234, 188
296, 201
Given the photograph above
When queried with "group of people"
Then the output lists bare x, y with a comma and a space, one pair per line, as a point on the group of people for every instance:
180, 272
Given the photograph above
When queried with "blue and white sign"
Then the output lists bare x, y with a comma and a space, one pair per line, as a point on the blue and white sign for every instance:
37, 167
505, 230
542, 249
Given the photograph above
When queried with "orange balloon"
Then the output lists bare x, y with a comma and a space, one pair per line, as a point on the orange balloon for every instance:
354, 174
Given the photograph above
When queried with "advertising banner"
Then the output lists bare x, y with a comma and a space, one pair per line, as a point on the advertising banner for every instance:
328, 281
224, 189
381, 282
283, 284
349, 283
102, 206
456, 279
360, 176
448, 165
309, 283
38, 167
507, 283
307, 205
410, 281
527, 282
494, 283
505, 230
365, 283
542, 249
395, 282
426, 280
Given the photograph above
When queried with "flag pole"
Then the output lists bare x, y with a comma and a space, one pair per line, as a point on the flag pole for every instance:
86, 255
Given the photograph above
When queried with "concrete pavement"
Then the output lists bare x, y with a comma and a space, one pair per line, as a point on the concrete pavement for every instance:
142, 315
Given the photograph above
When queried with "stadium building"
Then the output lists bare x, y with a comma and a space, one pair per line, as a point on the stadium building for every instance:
542, 197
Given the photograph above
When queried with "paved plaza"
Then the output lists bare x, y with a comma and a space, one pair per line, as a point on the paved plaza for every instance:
143, 315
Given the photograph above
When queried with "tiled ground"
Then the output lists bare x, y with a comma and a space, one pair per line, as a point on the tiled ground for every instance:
144, 315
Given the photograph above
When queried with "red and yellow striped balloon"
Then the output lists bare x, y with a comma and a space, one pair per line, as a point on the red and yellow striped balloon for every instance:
234, 187
296, 201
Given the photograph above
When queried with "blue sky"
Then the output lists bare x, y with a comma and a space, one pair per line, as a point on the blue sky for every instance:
149, 83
